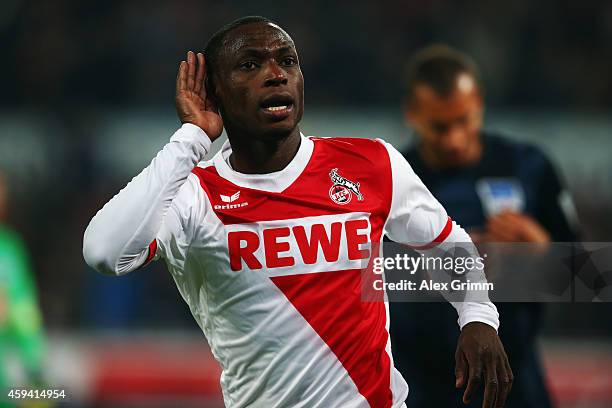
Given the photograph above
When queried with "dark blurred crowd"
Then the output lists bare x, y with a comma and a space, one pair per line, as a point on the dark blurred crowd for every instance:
69, 52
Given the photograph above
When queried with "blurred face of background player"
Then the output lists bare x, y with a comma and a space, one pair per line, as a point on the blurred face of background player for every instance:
448, 126
258, 83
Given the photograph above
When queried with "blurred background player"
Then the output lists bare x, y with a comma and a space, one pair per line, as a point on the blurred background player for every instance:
500, 191
20, 322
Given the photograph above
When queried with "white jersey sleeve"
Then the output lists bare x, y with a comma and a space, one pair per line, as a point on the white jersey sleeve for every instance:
417, 219
158, 202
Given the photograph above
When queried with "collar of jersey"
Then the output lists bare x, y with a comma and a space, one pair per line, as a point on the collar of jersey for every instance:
273, 182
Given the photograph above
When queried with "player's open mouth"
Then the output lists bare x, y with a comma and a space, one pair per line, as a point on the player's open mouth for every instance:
277, 107
278, 112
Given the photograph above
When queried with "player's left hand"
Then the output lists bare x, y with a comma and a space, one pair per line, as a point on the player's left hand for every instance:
481, 360
510, 226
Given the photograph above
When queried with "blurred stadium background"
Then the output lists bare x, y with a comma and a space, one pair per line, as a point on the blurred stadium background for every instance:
87, 99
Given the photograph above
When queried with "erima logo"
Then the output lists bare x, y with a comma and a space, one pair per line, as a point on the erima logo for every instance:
229, 200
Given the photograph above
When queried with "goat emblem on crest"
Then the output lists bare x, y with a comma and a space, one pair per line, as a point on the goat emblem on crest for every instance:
343, 189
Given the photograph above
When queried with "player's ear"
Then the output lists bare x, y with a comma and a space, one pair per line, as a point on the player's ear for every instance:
210, 88
212, 91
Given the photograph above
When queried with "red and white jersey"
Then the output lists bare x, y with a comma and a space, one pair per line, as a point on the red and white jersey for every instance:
270, 264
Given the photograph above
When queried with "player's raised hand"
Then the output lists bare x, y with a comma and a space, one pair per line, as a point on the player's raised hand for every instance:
192, 104
481, 361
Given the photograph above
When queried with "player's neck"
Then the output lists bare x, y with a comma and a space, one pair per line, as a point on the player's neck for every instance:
252, 155
436, 162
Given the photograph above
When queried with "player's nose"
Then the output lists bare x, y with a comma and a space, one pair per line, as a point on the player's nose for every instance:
456, 136
274, 75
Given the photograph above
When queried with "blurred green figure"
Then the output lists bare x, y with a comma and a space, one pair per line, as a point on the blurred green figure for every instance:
21, 331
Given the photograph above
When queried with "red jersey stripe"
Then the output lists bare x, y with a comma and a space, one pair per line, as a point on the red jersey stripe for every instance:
440, 238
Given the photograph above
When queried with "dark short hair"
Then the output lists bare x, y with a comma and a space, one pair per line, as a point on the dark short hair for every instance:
215, 44
438, 67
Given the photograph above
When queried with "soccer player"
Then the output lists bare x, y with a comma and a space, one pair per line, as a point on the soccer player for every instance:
265, 241
500, 191
21, 326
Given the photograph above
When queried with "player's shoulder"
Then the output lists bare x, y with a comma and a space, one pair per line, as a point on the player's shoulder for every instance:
351, 146
204, 165
363, 155
525, 158
344, 141
205, 173
10, 241
504, 146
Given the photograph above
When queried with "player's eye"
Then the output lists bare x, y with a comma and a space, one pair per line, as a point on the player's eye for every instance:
439, 128
289, 61
248, 65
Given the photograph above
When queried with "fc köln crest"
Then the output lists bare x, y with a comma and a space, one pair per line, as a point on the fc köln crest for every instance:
342, 190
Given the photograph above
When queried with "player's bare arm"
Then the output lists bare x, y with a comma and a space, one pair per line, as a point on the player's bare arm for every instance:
482, 361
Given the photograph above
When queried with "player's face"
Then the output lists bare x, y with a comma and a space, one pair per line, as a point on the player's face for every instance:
449, 127
260, 87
